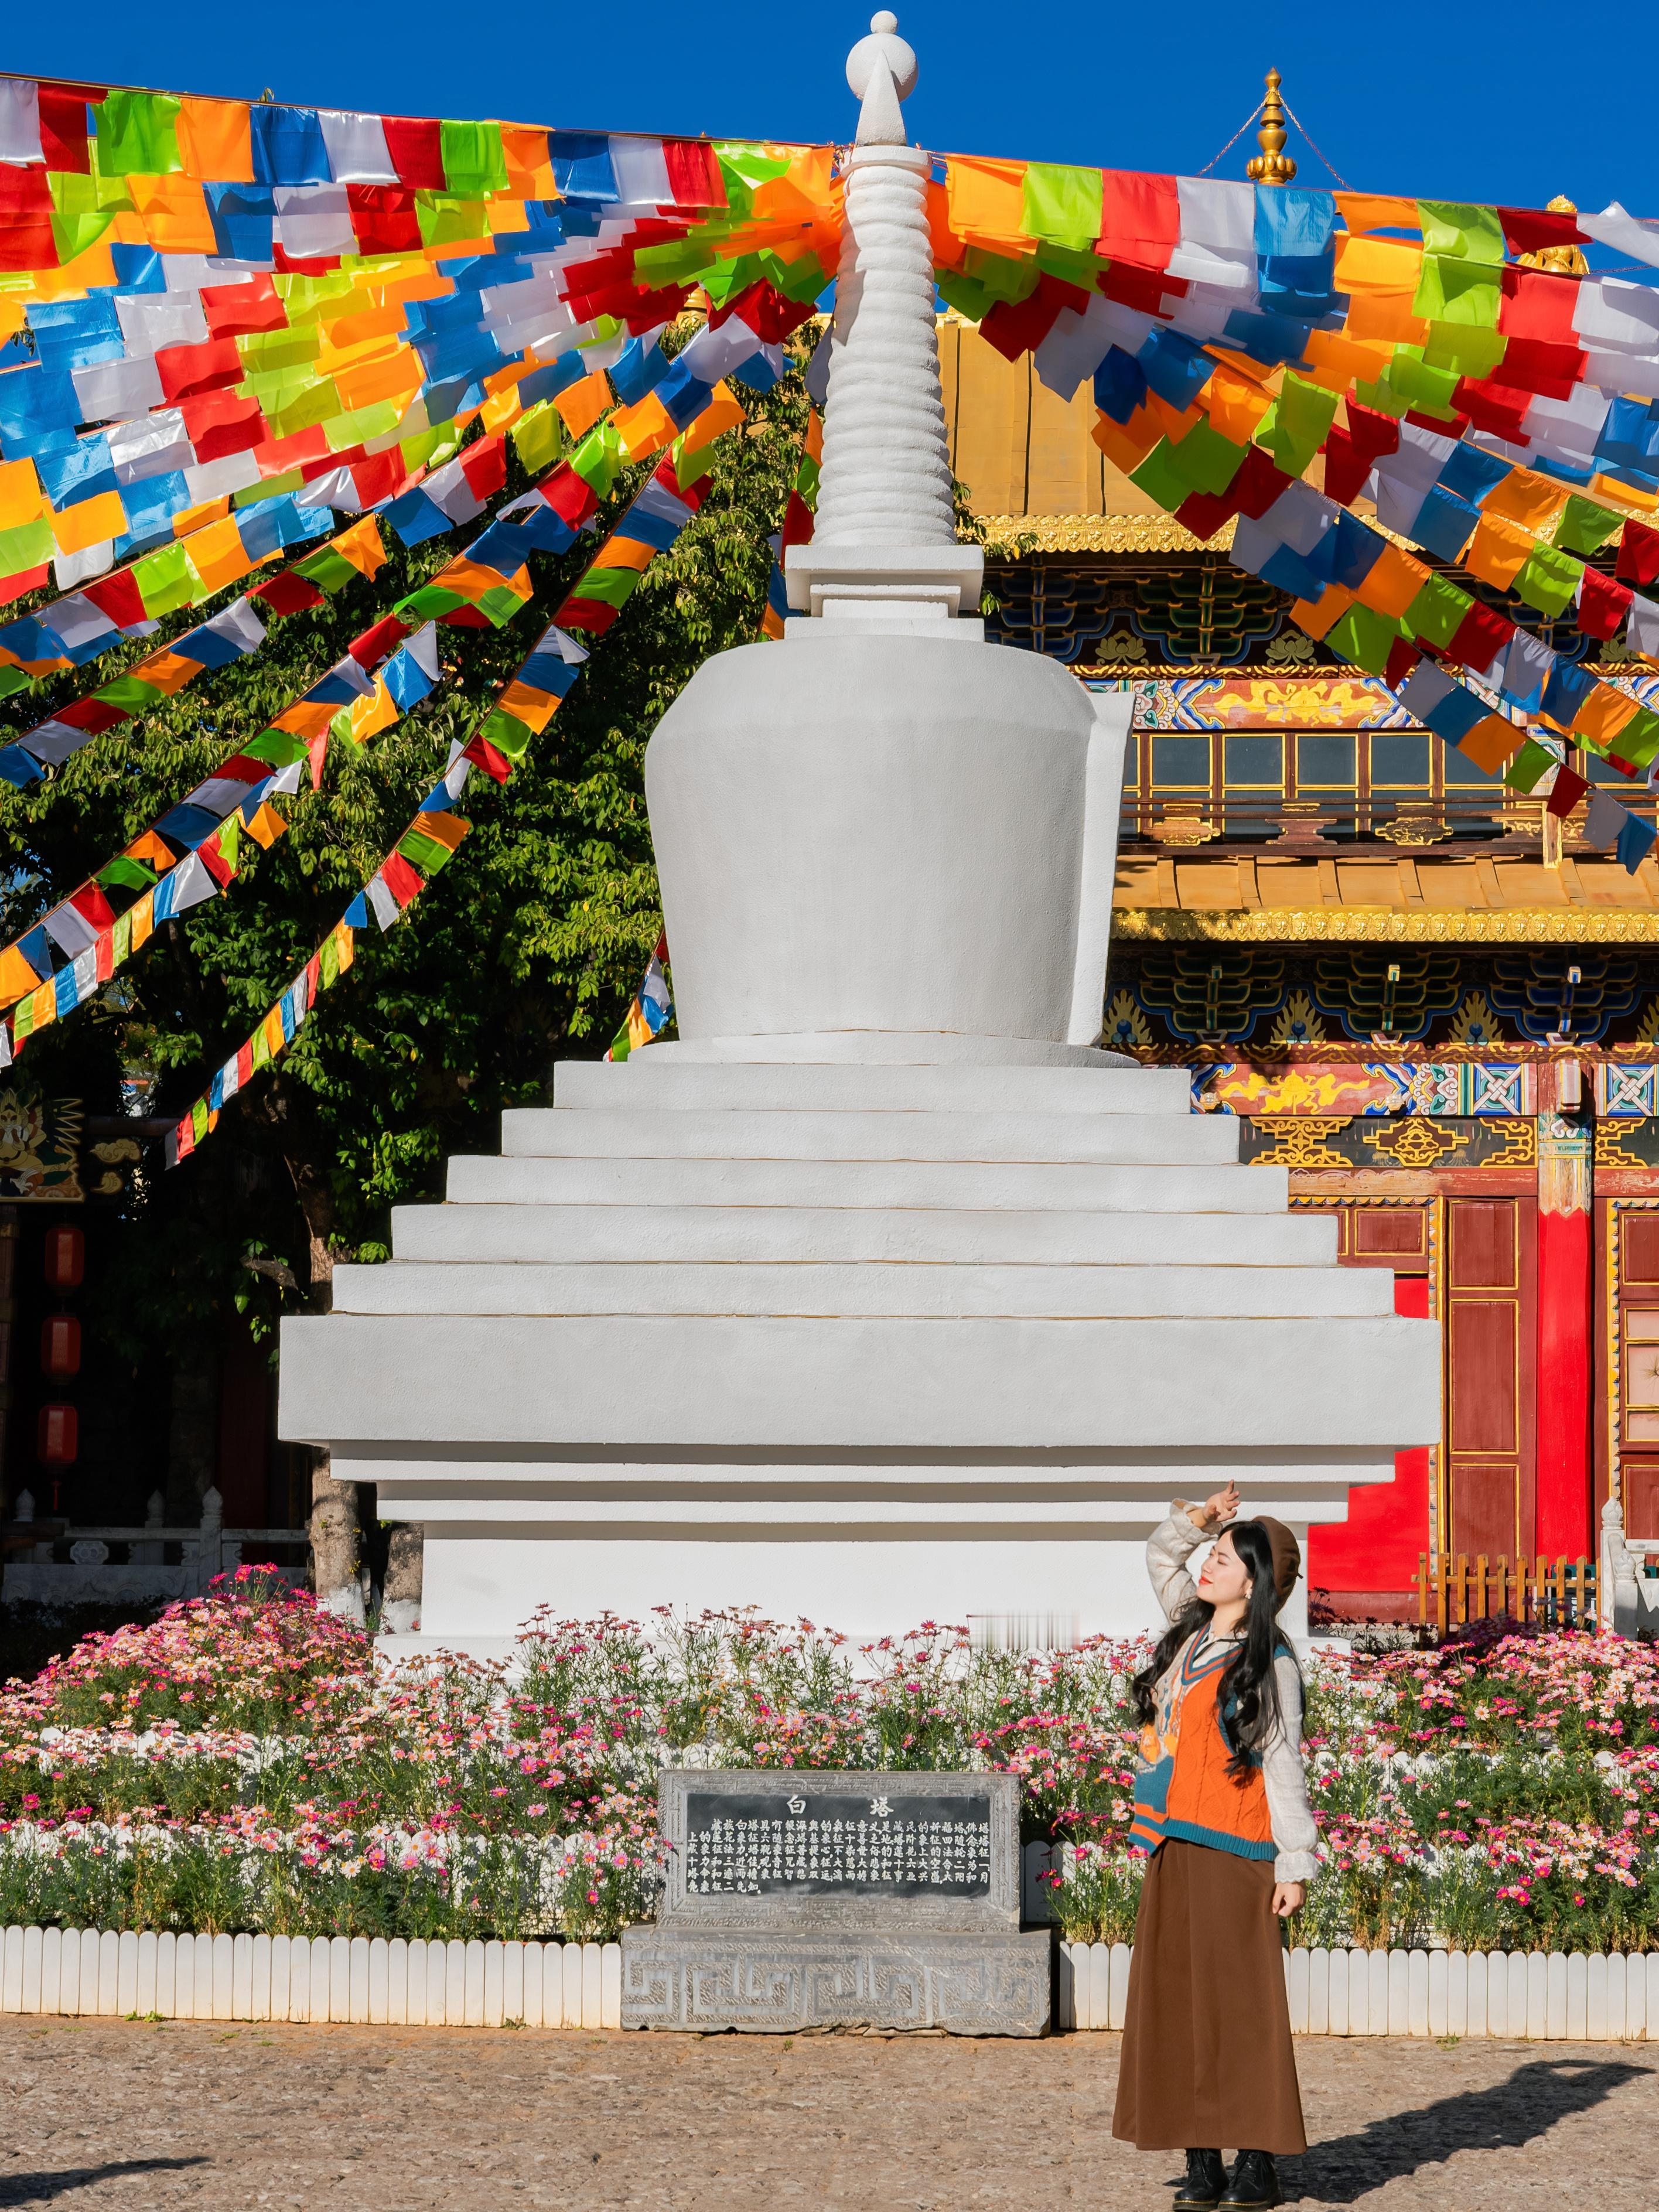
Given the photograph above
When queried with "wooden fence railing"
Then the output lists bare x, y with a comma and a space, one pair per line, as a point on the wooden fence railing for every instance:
1453, 1588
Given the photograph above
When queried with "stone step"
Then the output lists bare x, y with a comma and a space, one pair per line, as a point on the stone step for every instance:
693, 1383
405, 1287
957, 1184
742, 1134
577, 1235
658, 1077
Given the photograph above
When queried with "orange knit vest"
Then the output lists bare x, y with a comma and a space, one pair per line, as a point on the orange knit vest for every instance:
1207, 1804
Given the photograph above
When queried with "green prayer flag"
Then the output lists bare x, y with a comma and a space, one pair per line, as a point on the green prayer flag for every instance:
1583, 526
130, 693
164, 580
120, 938
263, 351
138, 134
430, 603
72, 235
328, 965
539, 437
13, 680
1160, 478
311, 405
965, 293
1548, 579
474, 164
330, 571
1461, 233
1530, 766
1451, 291
612, 587
1296, 424
1363, 636
281, 748
507, 733
1423, 388
599, 458
26, 546
1204, 460
1638, 741
128, 875
261, 1045
500, 603
1437, 611
268, 488
424, 851
1464, 348
1062, 204
445, 220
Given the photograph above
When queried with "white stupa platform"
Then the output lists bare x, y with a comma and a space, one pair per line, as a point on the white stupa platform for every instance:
871, 1345
884, 1296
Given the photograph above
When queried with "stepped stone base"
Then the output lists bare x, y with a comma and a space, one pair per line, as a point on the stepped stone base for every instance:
982, 1984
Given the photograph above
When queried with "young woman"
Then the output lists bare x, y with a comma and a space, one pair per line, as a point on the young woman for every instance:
1222, 1807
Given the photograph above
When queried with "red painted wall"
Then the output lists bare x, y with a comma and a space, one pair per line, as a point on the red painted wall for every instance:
1566, 1318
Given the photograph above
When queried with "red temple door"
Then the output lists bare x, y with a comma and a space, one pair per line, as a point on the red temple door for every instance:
1491, 1337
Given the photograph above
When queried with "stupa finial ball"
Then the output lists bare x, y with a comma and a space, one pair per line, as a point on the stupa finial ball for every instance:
883, 45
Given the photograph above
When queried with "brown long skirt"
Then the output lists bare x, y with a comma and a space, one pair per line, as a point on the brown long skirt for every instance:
1207, 2063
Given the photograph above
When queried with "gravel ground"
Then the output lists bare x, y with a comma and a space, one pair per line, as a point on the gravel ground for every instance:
98, 2113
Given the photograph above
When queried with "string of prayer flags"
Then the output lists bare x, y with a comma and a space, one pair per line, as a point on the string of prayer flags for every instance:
210, 306
206, 826
522, 709
799, 515
650, 1010
235, 633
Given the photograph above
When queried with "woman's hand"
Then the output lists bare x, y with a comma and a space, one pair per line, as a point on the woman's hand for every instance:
1217, 1512
1289, 1897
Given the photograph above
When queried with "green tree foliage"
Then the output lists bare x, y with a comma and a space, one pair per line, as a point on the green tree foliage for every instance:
526, 948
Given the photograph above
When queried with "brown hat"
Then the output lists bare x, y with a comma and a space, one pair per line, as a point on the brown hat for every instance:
1287, 1553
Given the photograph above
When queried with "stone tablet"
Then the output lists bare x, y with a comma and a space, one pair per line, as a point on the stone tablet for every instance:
799, 1900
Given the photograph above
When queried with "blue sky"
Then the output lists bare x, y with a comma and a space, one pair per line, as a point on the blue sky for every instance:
1506, 103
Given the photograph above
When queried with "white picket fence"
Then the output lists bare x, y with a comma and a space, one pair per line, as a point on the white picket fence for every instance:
476, 1984
1550, 1996
1537, 1995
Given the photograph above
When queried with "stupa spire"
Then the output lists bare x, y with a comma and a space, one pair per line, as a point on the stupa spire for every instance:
885, 543
1272, 165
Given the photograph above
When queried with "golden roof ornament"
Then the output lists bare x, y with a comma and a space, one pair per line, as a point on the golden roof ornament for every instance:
1272, 165
1563, 260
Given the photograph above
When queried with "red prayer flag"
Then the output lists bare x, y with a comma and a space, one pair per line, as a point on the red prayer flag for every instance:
218, 422
25, 579
1602, 604
1529, 230
375, 643
286, 594
383, 217
184, 369
400, 879
1566, 792
118, 597
239, 310
1639, 555
1139, 218
1479, 637
62, 110
416, 146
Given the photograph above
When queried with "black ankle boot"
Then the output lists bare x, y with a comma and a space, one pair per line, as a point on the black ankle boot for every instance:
1206, 2177
1254, 2186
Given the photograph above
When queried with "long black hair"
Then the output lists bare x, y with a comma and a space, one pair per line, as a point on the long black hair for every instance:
1247, 1696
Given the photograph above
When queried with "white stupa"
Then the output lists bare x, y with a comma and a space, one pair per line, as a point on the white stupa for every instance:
883, 1296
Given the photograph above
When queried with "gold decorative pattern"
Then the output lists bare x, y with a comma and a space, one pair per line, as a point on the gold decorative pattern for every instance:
1298, 1141
1416, 1142
1009, 537
1519, 1133
1610, 1148
1388, 926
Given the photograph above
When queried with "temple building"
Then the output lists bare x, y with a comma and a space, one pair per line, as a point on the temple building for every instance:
1425, 994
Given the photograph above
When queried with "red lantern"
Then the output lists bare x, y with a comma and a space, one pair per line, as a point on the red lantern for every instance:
56, 1436
60, 1347
65, 1258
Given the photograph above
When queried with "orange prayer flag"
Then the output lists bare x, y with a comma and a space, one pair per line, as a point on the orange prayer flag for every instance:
1499, 551
1377, 264
1393, 582
216, 140
362, 546
1127, 444
529, 170
501, 409
1317, 619
150, 847
1367, 211
21, 499
645, 428
142, 916
1526, 497
198, 518
987, 201
17, 978
368, 717
174, 213
1236, 406
168, 672
625, 553
534, 709
1602, 716
217, 555
1492, 742
581, 407
91, 523
366, 383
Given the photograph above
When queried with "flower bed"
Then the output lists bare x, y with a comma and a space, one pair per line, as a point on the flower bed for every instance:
242, 1765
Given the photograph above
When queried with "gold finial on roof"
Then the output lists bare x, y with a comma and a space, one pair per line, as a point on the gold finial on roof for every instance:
1272, 165
1563, 260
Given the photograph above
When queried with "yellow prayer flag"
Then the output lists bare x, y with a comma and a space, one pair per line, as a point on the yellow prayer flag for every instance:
21, 499
91, 523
